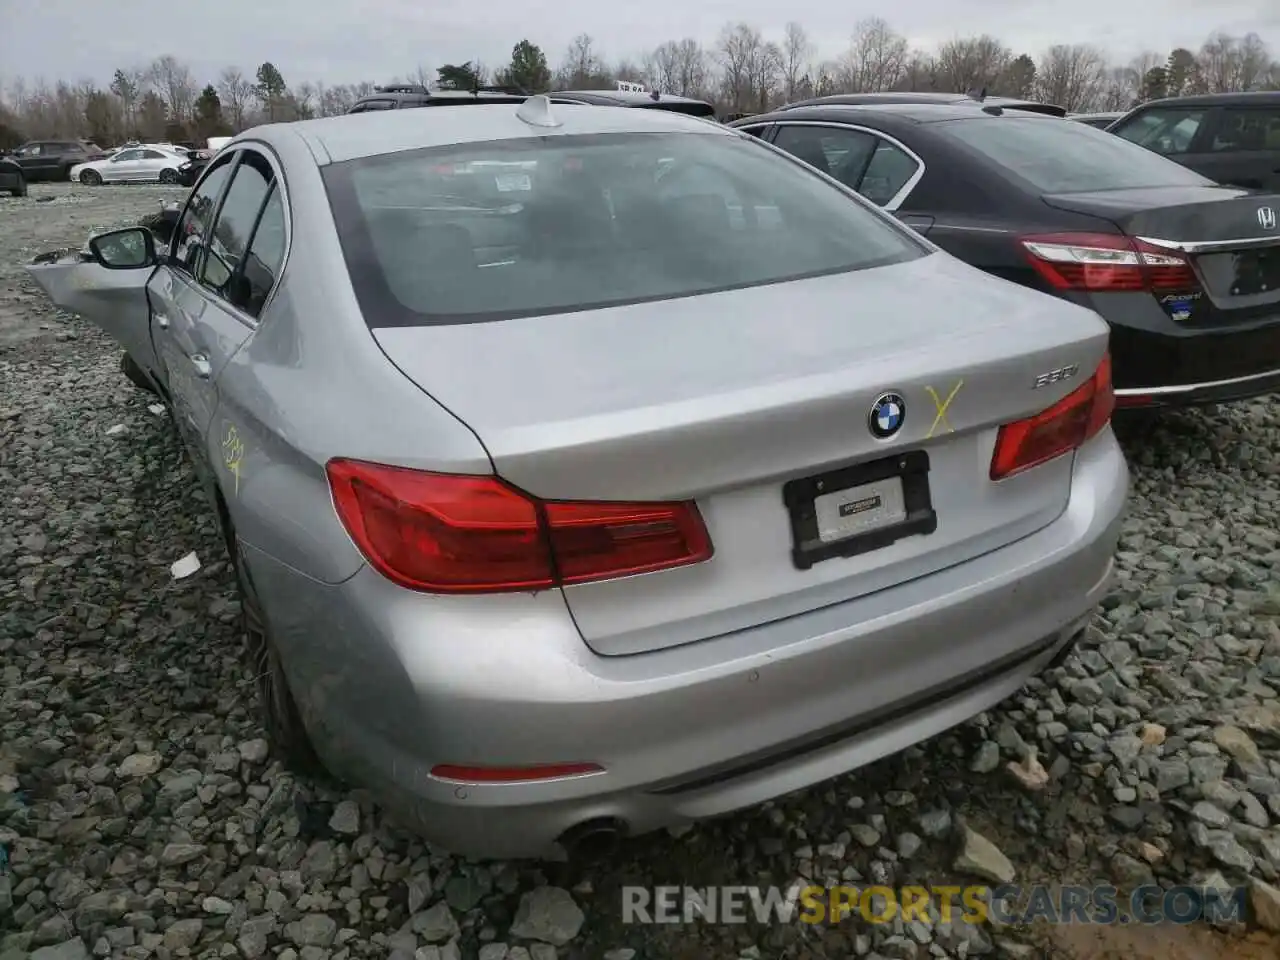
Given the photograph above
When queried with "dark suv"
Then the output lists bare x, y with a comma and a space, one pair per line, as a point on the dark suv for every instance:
53, 159
1233, 138
401, 96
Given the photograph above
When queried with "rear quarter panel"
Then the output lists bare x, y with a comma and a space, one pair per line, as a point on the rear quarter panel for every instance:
311, 384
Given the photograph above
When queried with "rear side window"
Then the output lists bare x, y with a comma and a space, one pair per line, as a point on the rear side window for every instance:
1245, 129
839, 152
498, 230
889, 171
1167, 131
261, 267
1063, 157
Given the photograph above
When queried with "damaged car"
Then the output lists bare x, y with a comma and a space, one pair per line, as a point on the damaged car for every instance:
547, 529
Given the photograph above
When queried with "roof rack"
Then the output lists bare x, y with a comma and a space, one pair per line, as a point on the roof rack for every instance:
402, 88
498, 88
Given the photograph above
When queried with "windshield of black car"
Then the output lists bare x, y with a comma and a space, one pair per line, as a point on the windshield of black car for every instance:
503, 229
1061, 156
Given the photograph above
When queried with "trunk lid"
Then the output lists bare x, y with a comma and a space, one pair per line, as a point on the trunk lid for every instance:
725, 398
1230, 236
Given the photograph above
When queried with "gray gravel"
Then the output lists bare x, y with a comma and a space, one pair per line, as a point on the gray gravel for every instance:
140, 815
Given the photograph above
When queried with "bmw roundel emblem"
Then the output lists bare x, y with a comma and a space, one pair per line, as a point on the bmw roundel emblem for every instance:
887, 415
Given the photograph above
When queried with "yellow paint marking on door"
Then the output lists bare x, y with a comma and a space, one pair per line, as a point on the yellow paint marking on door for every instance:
233, 454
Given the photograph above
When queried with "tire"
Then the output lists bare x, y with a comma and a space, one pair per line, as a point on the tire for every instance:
64, 173
168, 176
91, 178
20, 190
129, 367
278, 710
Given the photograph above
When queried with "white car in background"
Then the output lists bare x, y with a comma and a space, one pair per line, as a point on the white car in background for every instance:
143, 163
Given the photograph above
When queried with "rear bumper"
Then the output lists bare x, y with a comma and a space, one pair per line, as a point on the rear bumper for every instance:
391, 683
1193, 394
1157, 361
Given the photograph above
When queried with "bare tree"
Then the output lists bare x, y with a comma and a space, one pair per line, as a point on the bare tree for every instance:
876, 59
766, 75
1255, 63
306, 100
1120, 89
172, 80
236, 92
582, 66
919, 73
971, 63
1072, 76
797, 51
738, 51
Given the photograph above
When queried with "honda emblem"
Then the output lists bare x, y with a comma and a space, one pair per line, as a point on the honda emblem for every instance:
1266, 218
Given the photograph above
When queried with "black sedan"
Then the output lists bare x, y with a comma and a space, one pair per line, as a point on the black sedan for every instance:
1186, 272
190, 171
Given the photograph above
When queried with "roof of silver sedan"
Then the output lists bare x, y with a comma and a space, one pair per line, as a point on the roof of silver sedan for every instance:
372, 134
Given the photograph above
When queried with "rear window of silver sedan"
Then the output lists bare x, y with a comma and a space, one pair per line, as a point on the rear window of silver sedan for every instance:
516, 228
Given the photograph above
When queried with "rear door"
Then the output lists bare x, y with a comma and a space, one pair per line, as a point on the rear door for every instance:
213, 304
34, 159
151, 163
1243, 147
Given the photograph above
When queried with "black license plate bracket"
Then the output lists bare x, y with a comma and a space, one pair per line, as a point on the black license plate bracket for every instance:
818, 506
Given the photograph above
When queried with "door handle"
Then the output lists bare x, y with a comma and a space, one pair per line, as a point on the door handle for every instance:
203, 367
162, 321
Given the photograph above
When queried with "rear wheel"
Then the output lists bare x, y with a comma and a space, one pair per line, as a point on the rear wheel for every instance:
90, 177
168, 176
21, 189
279, 711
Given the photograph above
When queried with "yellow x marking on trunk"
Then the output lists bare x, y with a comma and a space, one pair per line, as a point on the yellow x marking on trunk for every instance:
941, 406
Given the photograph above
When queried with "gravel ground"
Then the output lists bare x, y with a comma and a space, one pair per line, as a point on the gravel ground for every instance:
140, 816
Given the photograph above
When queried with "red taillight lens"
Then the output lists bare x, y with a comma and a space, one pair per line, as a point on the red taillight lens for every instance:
1062, 428
1106, 262
445, 533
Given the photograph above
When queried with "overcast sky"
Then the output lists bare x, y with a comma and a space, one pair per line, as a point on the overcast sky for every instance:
376, 39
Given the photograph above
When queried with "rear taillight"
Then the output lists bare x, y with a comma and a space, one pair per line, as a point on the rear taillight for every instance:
1102, 262
445, 533
1062, 428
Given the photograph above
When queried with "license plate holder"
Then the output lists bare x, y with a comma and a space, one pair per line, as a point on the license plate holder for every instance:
1244, 273
854, 510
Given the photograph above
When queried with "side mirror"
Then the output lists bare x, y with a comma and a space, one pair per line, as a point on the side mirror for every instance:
128, 249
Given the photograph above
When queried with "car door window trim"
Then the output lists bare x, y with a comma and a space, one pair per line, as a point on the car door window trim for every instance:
277, 183
898, 198
231, 160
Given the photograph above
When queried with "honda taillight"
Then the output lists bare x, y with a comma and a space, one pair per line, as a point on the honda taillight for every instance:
1105, 262
446, 533
1064, 427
